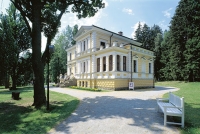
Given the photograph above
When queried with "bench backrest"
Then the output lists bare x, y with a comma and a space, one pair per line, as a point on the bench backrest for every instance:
176, 100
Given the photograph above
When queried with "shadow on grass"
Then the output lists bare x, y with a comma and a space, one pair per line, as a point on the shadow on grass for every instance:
20, 119
10, 115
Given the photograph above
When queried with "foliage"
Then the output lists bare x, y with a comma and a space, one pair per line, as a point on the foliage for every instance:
15, 40
147, 35
190, 92
180, 58
85, 88
45, 17
21, 117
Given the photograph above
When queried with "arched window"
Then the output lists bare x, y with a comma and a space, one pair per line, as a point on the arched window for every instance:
134, 66
104, 63
98, 64
110, 63
124, 63
118, 63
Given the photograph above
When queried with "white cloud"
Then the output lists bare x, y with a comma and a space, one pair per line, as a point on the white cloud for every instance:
136, 26
167, 13
71, 19
117, 0
129, 11
163, 25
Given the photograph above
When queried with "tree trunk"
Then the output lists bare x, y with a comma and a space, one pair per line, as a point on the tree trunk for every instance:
13, 76
38, 68
6, 80
191, 76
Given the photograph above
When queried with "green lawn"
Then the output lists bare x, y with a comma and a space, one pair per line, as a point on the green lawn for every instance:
191, 93
18, 116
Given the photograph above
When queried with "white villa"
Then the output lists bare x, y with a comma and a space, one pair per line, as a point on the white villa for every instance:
102, 59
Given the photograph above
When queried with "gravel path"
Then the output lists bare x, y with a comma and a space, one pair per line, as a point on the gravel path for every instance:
117, 112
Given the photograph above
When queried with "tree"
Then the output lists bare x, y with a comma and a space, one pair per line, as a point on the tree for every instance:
165, 71
157, 50
45, 17
147, 35
185, 39
15, 40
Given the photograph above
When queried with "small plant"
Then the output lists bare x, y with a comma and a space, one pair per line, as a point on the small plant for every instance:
86, 88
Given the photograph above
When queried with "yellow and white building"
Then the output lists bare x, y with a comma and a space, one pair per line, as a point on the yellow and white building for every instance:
102, 59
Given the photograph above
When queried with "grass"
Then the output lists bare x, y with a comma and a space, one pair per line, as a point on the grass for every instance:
191, 93
18, 116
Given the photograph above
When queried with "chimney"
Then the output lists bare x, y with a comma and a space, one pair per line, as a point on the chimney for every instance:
120, 33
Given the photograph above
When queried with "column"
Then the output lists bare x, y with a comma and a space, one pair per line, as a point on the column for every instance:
74, 69
94, 41
79, 67
121, 62
82, 46
68, 69
107, 63
89, 66
101, 64
114, 61
93, 63
89, 46
86, 66
86, 44
78, 47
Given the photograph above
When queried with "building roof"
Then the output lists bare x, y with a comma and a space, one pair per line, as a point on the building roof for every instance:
93, 27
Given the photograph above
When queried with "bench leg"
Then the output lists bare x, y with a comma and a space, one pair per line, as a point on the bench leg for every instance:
165, 119
182, 121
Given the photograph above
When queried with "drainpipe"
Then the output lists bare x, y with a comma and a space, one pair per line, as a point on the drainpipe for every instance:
110, 39
131, 64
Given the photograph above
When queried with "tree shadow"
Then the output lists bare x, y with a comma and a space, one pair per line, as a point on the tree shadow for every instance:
15, 118
93, 115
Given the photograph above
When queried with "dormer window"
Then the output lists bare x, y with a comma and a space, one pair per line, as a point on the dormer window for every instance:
103, 44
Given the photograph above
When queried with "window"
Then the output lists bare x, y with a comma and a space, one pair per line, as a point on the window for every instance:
149, 67
103, 44
83, 45
104, 63
143, 66
75, 70
83, 84
70, 56
86, 84
124, 63
134, 66
98, 64
70, 70
110, 63
75, 53
84, 67
79, 83
118, 63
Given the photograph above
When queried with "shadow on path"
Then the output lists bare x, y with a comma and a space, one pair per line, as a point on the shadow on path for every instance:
107, 114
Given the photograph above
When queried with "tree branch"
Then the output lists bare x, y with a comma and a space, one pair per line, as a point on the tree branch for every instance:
23, 15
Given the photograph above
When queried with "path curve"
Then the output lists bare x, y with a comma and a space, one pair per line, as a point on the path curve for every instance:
117, 112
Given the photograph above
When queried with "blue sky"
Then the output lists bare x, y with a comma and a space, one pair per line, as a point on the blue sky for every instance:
123, 15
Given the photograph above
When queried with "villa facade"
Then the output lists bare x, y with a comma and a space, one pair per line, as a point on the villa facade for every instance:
102, 59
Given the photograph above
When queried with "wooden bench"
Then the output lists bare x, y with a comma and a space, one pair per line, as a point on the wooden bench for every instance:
173, 106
